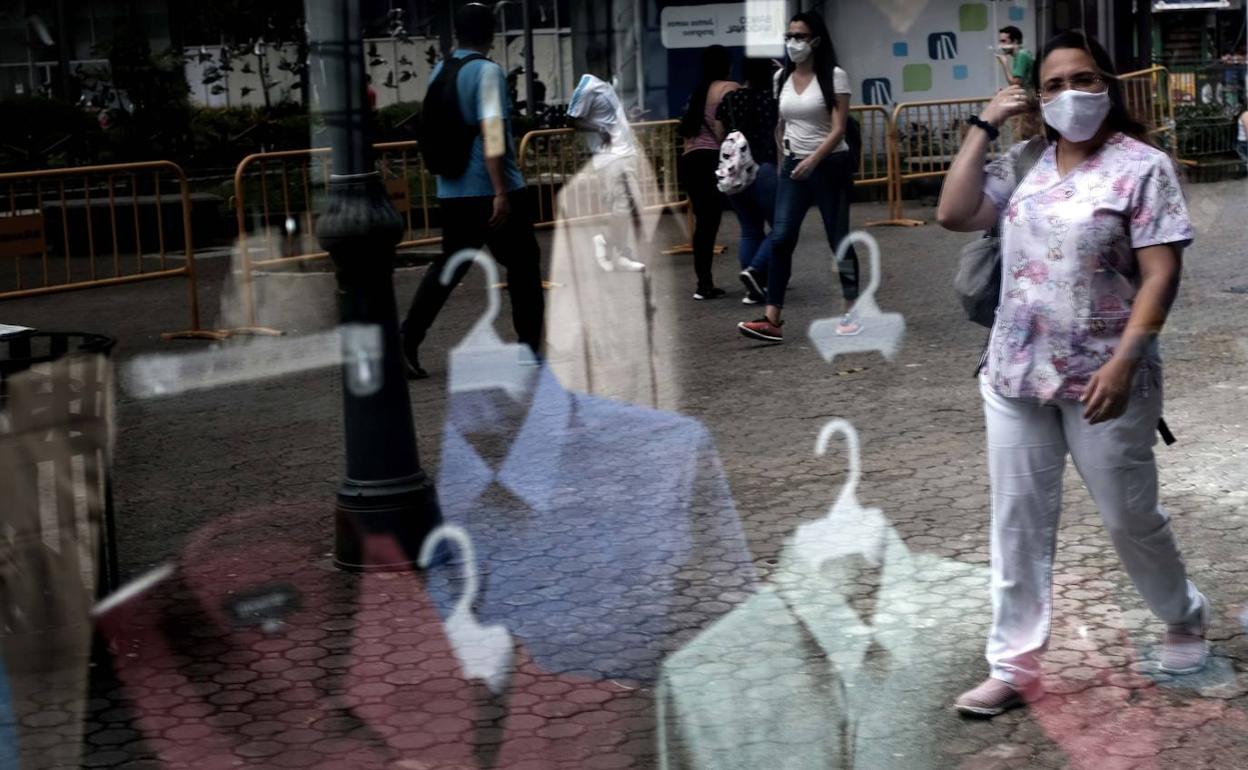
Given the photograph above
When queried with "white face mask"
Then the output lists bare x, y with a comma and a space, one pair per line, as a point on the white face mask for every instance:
1077, 115
799, 50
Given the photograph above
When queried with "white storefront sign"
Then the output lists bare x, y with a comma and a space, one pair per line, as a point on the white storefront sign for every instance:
759, 25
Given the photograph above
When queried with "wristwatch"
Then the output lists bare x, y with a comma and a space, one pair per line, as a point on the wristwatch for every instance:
992, 130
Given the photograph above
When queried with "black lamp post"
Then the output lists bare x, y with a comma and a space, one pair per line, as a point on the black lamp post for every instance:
385, 491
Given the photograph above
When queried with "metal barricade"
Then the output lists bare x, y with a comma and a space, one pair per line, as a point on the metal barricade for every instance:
924, 138
550, 158
78, 228
278, 195
1149, 99
874, 162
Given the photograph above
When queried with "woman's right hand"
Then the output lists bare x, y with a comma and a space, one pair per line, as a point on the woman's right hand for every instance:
1009, 101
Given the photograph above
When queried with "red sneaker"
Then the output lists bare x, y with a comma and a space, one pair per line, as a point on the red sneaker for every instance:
762, 329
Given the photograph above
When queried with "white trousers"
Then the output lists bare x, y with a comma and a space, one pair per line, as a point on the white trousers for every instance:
1027, 445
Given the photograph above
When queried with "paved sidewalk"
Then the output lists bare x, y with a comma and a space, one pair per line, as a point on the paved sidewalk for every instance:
240, 481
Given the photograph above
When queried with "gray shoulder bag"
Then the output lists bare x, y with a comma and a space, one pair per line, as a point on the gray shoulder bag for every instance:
978, 280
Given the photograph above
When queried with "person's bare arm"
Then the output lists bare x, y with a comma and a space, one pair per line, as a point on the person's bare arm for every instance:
494, 143
963, 206
717, 126
1109, 389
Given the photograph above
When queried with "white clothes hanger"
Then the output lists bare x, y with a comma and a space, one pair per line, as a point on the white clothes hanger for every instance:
848, 528
881, 332
482, 361
484, 652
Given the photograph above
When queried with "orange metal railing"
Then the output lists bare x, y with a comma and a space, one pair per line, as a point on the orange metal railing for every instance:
90, 226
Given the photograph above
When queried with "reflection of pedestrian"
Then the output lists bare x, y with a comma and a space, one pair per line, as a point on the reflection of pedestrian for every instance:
703, 133
486, 205
1015, 60
596, 111
753, 111
816, 169
1017, 63
1090, 243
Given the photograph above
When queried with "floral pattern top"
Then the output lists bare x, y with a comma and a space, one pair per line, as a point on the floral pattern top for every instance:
1069, 271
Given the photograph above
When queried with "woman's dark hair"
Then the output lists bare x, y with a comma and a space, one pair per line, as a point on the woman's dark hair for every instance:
757, 74
1119, 117
825, 56
716, 65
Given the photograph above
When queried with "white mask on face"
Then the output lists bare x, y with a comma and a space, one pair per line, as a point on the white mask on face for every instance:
1077, 115
799, 50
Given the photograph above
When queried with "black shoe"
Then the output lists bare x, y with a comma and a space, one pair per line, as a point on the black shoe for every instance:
411, 360
711, 293
755, 291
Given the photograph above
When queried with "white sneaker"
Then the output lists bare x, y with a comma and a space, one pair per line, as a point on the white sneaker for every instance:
1184, 652
600, 253
626, 265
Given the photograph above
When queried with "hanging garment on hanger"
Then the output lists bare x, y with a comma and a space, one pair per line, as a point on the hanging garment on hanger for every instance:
599, 528
840, 660
481, 360
880, 332
601, 324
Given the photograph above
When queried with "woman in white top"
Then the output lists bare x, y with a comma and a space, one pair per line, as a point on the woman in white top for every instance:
815, 166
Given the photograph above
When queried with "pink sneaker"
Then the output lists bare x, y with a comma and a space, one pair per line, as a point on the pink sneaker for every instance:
847, 326
993, 696
1186, 652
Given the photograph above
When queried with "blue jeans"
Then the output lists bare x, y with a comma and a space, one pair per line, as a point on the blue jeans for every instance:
829, 187
756, 209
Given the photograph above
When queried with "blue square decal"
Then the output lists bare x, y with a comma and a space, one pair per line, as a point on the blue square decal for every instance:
960, 72
901, 49
1016, 13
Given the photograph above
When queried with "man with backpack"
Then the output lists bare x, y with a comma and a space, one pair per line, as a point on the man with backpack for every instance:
465, 139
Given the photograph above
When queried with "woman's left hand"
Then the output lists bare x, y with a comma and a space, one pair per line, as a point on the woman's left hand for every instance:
1108, 391
804, 167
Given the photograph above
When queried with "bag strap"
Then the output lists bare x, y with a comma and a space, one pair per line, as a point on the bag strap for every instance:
1027, 158
1023, 164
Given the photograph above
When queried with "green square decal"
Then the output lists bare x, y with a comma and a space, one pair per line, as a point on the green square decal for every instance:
916, 77
973, 17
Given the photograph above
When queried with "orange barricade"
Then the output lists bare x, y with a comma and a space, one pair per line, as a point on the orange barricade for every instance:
78, 228
923, 138
873, 162
278, 195
1149, 99
550, 158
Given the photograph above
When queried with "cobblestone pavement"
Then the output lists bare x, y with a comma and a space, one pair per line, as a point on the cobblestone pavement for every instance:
239, 481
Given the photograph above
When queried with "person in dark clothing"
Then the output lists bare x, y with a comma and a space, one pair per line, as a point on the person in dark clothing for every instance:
486, 205
703, 133
753, 111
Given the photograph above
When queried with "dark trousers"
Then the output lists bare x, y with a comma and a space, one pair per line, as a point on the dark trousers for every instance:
465, 225
828, 187
697, 175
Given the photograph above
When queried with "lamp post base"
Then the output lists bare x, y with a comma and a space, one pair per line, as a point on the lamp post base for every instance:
395, 514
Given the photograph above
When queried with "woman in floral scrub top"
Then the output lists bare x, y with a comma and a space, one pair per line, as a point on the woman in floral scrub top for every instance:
1091, 245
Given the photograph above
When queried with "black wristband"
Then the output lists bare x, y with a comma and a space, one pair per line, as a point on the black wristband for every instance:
991, 130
